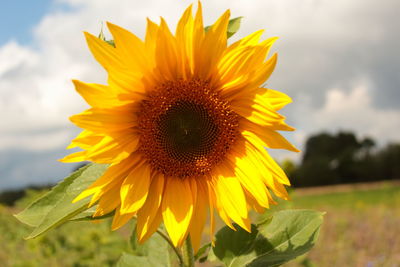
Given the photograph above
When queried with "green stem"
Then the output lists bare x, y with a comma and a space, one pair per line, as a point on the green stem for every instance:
161, 233
187, 251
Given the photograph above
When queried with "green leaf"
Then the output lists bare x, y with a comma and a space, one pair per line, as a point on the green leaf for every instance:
283, 237
34, 213
200, 253
110, 42
129, 260
152, 253
233, 26
103, 37
56, 206
87, 215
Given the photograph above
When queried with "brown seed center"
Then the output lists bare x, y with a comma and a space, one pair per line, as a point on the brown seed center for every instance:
185, 128
187, 131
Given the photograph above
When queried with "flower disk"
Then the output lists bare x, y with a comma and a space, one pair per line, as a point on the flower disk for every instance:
184, 124
185, 129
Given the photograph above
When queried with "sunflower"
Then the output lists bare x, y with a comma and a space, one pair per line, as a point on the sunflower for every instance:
183, 124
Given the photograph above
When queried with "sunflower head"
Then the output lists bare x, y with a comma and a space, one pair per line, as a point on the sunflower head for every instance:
183, 123
187, 128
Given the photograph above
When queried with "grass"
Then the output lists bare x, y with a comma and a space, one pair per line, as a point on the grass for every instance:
74, 244
385, 195
361, 228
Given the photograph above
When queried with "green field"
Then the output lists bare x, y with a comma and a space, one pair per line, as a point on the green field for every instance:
73, 244
361, 228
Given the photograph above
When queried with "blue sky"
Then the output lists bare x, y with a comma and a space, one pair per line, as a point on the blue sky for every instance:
338, 60
19, 17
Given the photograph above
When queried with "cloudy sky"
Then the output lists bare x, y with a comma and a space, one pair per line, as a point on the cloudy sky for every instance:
338, 60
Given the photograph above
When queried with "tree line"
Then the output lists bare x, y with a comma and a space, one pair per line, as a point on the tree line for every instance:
343, 158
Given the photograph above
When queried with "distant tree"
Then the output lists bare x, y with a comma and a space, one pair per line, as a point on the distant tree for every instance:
367, 144
388, 162
365, 165
318, 171
11, 196
342, 158
329, 159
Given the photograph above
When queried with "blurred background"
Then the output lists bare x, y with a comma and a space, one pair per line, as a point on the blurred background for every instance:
338, 60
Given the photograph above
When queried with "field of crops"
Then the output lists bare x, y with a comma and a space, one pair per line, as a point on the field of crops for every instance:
361, 228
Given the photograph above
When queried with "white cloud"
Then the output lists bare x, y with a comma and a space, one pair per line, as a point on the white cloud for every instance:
13, 55
35, 98
343, 109
38, 140
354, 111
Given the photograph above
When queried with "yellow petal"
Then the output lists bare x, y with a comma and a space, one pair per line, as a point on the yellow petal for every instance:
257, 109
111, 149
127, 82
250, 177
183, 24
212, 203
198, 36
85, 139
231, 64
104, 53
199, 214
74, 157
150, 43
108, 202
264, 72
277, 171
131, 47
262, 136
184, 38
244, 84
250, 40
223, 215
151, 35
135, 188
272, 172
153, 226
214, 44
280, 190
253, 203
120, 220
177, 208
168, 58
259, 115
258, 57
114, 174
106, 120
277, 99
230, 193
148, 213
239, 63
215, 202
98, 95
